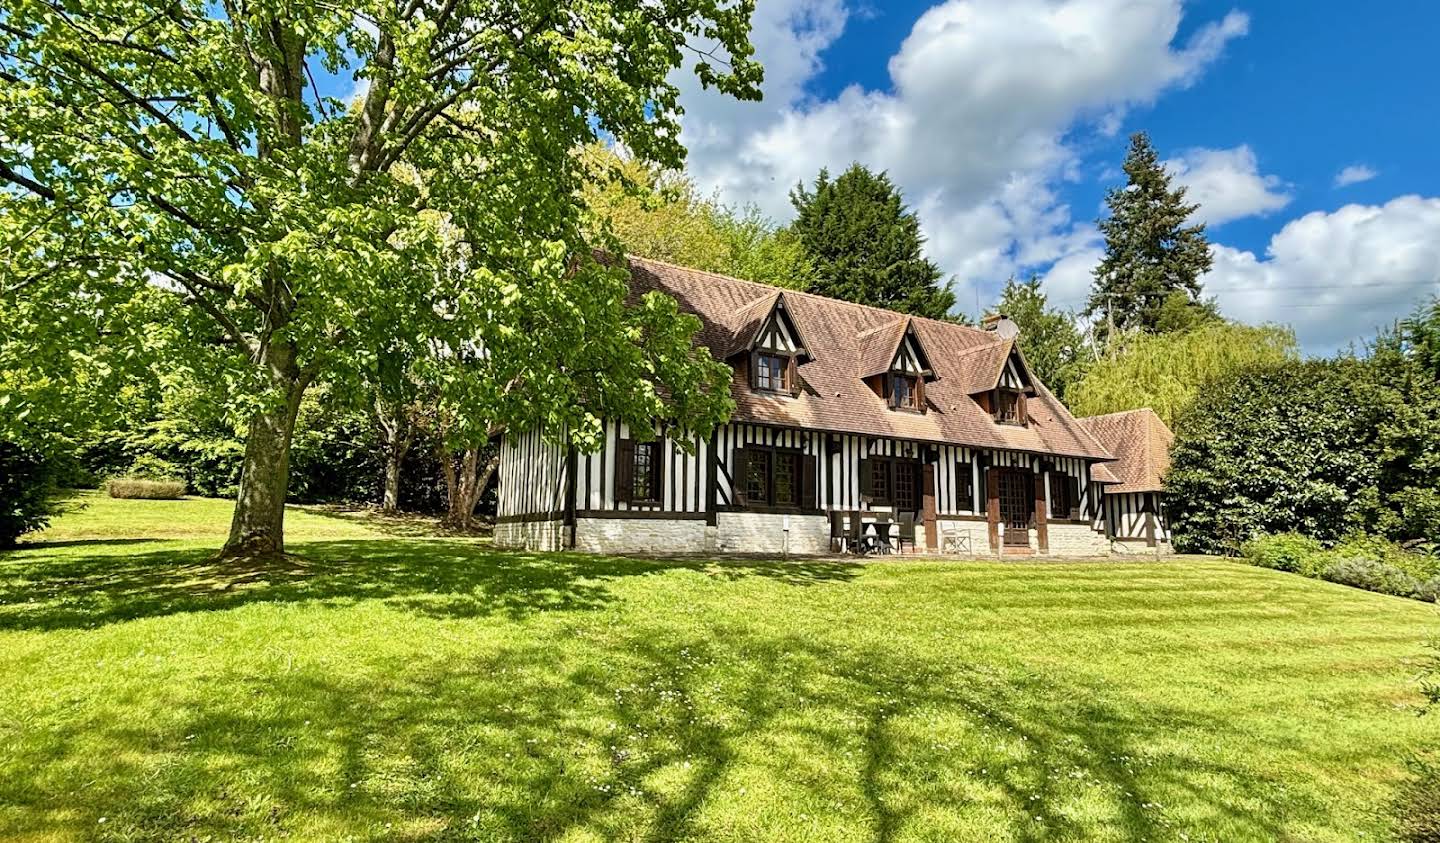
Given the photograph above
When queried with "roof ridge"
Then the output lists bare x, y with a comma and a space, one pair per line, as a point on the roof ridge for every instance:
1133, 411
808, 294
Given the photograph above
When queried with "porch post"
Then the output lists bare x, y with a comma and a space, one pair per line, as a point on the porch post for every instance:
1042, 530
992, 506
932, 538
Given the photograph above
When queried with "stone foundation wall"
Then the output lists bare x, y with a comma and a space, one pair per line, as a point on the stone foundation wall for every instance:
759, 532
1077, 540
530, 535
643, 535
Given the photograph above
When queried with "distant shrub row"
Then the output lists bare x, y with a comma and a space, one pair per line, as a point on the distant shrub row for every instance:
1359, 561
145, 488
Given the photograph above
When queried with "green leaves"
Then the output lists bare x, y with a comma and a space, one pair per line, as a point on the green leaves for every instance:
1150, 252
1167, 372
180, 149
866, 244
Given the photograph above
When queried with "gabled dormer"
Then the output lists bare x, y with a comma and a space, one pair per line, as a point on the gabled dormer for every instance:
1004, 395
894, 364
769, 345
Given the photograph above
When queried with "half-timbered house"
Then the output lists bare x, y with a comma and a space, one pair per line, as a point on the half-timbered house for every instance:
849, 421
1134, 507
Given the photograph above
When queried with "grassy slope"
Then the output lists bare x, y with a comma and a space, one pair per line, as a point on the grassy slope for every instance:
412, 688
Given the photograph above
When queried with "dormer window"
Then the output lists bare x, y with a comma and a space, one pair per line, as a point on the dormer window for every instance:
893, 363
1010, 406
772, 372
905, 391
768, 342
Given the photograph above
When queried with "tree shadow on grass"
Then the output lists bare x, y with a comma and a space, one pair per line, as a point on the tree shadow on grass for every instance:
432, 577
658, 734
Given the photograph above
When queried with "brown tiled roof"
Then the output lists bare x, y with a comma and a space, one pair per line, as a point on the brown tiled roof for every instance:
747, 320
1140, 442
878, 346
1101, 473
835, 399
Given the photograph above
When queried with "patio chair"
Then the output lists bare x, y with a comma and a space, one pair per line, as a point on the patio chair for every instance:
906, 533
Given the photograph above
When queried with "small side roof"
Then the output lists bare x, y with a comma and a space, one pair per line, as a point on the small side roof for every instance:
1140, 441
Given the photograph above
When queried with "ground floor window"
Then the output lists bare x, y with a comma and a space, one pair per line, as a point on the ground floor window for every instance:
757, 475
905, 483
775, 477
787, 479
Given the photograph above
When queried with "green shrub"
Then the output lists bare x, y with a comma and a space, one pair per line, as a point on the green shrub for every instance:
27, 484
146, 488
1419, 563
152, 467
1291, 552
1371, 575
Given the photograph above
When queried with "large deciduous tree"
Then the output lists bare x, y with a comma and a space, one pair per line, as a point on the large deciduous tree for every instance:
1153, 256
866, 245
1166, 372
661, 214
185, 146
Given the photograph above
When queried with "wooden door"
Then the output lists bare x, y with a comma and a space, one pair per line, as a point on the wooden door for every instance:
1016, 505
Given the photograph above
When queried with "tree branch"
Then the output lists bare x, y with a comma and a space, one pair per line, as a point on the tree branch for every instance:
26, 182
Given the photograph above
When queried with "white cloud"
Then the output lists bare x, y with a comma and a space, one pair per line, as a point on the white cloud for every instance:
1354, 174
974, 125
1227, 184
1335, 276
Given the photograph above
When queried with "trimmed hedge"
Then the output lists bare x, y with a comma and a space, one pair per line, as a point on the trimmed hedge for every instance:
144, 488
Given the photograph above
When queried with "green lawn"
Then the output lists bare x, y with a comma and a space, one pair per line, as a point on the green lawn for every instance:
403, 687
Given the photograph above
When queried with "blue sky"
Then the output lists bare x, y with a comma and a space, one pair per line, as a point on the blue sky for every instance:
1005, 120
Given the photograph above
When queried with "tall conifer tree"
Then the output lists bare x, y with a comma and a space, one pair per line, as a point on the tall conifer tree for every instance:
866, 245
1151, 254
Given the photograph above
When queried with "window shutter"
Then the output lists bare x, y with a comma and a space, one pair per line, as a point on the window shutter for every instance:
807, 482
738, 478
1072, 486
890, 397
624, 470
657, 468
920, 393
1020, 412
750, 366
792, 372
867, 481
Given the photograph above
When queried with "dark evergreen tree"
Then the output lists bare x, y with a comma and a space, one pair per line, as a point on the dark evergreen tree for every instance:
866, 245
1053, 344
1150, 252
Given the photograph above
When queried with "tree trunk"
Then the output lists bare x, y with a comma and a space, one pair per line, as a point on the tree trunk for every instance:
391, 501
258, 528
398, 434
464, 484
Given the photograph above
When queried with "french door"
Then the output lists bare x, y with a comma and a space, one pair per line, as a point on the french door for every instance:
1017, 501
